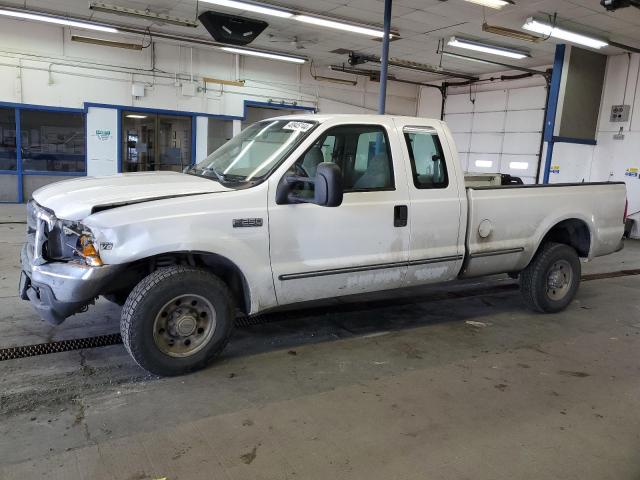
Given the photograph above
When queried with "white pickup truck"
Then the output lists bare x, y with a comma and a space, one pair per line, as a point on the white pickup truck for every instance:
296, 209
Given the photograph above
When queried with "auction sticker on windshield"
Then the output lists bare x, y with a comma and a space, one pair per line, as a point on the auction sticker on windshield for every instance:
298, 126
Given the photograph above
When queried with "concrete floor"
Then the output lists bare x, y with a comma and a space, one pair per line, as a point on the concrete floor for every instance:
360, 390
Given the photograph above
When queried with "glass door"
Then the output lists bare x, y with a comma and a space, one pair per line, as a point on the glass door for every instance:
155, 142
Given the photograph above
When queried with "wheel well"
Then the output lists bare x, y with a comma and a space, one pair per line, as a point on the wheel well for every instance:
221, 266
571, 232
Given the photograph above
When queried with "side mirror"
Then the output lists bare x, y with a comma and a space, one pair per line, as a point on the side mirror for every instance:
328, 189
328, 185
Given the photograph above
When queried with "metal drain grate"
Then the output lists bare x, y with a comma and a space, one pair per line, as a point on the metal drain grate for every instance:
61, 346
245, 322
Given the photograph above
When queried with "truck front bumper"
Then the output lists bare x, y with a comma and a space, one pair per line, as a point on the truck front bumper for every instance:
58, 290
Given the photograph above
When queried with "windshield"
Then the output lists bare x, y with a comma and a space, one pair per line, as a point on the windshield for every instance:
251, 155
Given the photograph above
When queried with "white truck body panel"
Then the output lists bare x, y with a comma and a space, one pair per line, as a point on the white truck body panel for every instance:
301, 252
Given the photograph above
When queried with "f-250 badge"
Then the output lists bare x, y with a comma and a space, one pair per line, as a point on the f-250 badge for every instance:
247, 222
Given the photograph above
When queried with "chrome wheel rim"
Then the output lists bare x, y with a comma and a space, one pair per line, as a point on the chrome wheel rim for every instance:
559, 280
184, 325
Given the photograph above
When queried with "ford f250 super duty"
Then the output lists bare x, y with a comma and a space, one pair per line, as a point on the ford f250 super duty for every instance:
296, 209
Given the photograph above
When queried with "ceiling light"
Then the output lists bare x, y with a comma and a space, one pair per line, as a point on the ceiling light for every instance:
106, 43
252, 7
486, 48
158, 17
464, 57
138, 117
548, 30
347, 27
498, 4
56, 20
272, 56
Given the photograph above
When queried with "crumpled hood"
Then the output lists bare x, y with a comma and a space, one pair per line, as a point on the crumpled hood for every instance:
76, 199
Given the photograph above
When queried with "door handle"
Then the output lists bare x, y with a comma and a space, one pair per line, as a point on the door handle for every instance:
400, 215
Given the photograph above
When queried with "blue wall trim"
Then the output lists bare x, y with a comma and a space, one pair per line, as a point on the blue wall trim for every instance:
552, 108
19, 156
579, 141
45, 108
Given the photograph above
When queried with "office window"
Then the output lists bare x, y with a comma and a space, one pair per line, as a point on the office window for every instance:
156, 142
52, 141
427, 159
8, 157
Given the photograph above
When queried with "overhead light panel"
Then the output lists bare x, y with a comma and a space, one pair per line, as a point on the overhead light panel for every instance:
137, 117
346, 27
548, 30
464, 57
497, 4
56, 20
269, 55
106, 43
487, 48
132, 12
252, 7
322, 21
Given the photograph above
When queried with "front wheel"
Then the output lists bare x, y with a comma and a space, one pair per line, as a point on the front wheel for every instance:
176, 320
551, 280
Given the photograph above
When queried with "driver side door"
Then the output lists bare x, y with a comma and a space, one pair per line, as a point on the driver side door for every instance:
360, 246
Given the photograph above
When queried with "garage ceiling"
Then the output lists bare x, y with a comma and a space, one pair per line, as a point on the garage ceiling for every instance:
421, 24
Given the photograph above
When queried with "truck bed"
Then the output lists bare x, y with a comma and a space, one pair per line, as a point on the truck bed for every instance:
505, 224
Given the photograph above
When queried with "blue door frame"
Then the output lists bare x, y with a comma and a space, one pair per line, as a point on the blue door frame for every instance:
20, 172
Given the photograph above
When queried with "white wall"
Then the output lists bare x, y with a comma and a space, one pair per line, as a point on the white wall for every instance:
610, 159
45, 67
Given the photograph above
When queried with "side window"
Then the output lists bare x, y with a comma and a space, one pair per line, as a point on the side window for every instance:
427, 159
361, 151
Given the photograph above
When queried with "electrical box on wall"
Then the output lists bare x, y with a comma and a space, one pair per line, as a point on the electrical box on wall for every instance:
620, 113
137, 90
189, 89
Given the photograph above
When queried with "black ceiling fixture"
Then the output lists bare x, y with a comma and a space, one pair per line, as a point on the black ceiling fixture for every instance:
232, 29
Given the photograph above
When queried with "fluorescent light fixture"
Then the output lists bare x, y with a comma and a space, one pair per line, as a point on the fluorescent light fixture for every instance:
157, 17
486, 48
139, 117
548, 30
484, 163
497, 4
56, 20
464, 57
106, 43
347, 27
257, 53
266, 9
252, 7
519, 165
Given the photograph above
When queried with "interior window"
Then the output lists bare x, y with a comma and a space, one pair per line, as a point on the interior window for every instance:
361, 151
427, 159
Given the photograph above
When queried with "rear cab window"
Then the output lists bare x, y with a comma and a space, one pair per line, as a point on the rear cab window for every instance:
428, 164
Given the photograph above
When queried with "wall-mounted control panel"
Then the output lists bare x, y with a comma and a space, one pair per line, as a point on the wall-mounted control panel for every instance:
620, 113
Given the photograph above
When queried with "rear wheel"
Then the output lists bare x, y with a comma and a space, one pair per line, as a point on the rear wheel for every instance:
176, 320
551, 280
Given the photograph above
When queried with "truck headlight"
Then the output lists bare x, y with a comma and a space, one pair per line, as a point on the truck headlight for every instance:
89, 252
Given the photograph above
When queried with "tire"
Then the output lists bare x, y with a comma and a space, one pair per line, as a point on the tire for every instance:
553, 265
176, 320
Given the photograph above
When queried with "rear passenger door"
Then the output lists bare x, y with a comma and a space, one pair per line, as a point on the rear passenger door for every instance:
436, 250
360, 246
